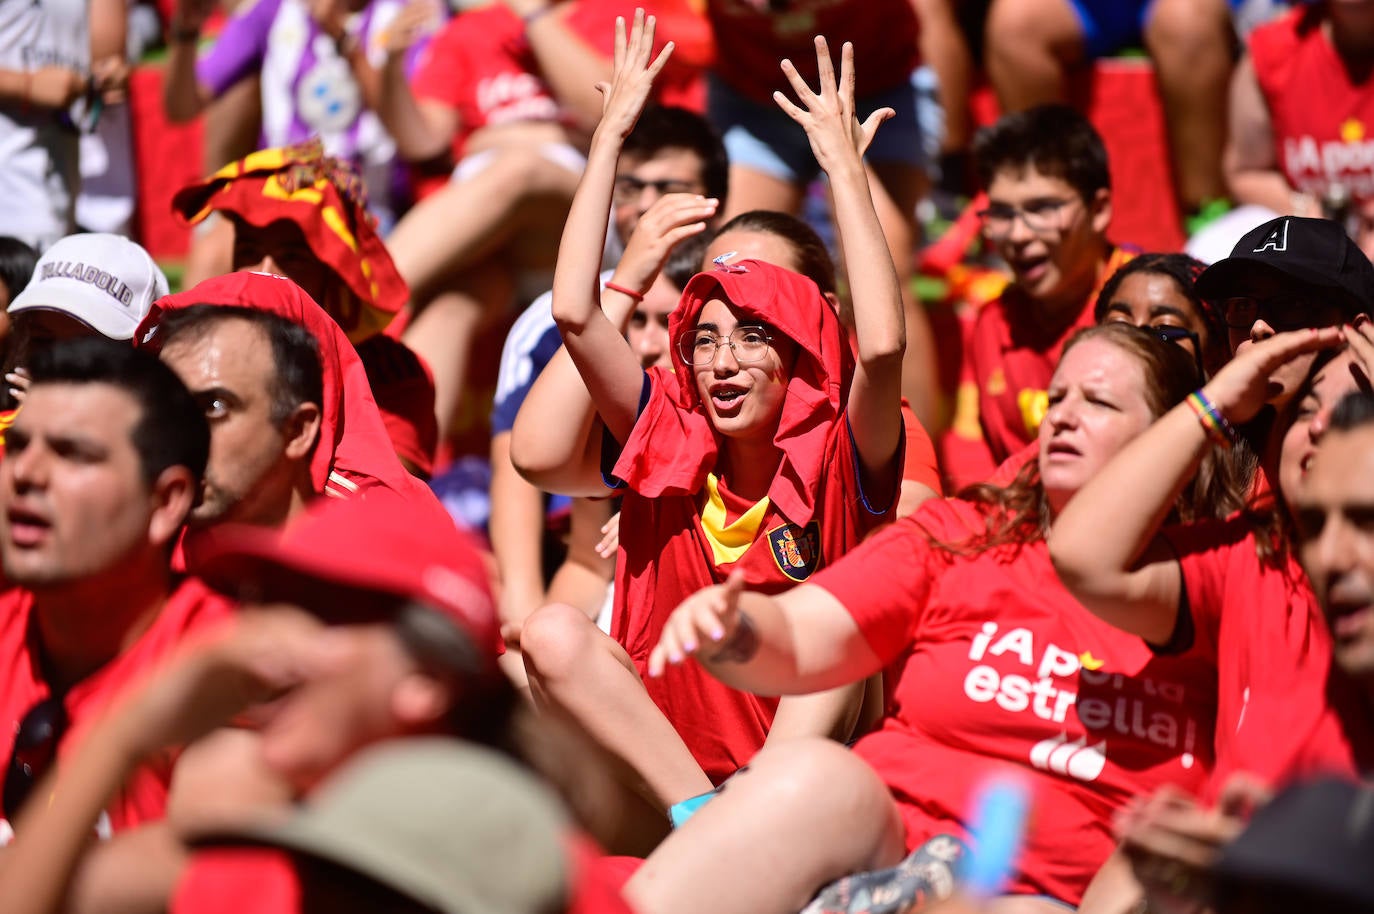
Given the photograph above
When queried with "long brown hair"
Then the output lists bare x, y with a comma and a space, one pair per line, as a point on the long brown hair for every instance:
1018, 513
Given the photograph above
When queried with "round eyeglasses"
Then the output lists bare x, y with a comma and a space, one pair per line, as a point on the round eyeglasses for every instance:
748, 344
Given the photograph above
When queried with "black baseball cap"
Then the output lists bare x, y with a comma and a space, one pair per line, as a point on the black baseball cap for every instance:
1315, 252
1314, 839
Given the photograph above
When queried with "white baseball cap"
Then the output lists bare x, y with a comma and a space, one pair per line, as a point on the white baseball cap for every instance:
105, 281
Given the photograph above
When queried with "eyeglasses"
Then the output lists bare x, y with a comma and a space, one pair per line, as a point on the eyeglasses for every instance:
35, 748
1041, 218
1284, 311
1171, 333
748, 344
628, 187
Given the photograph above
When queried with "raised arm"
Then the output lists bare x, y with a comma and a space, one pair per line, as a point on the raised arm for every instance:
555, 442
838, 141
1105, 543
572, 68
798, 642
423, 129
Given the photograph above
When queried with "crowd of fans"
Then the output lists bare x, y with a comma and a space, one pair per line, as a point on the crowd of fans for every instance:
787, 600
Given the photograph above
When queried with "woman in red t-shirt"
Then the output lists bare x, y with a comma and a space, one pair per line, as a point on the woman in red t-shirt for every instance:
771, 447
992, 669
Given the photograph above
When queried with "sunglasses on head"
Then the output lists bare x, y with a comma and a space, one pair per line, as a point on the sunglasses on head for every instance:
35, 749
1170, 333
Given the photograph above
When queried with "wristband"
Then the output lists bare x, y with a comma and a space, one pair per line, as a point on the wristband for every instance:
623, 290
1220, 431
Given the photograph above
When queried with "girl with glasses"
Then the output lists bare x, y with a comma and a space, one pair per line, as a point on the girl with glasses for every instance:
770, 449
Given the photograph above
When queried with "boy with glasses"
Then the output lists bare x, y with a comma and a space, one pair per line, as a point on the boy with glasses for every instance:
1049, 206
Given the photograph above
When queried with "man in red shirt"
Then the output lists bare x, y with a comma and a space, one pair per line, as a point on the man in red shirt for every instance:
101, 469
1049, 206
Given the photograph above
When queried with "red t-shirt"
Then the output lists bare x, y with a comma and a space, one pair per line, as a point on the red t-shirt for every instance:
671, 559
1274, 719
1321, 118
481, 64
191, 607
920, 464
994, 668
1013, 358
751, 41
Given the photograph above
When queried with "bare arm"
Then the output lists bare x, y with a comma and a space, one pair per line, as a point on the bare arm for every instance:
798, 642
1250, 159
945, 48
571, 67
838, 141
183, 95
605, 361
556, 444
175, 705
423, 130
1105, 544
517, 528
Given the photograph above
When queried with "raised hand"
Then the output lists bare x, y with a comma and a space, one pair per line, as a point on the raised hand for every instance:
709, 619
1242, 388
415, 20
632, 74
669, 220
828, 118
1360, 337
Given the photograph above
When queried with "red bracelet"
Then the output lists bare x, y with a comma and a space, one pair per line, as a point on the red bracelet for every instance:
616, 287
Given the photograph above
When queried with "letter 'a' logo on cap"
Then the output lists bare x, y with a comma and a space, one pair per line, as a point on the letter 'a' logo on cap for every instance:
1276, 241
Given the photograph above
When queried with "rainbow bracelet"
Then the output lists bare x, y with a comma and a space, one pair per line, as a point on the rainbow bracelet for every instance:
1220, 431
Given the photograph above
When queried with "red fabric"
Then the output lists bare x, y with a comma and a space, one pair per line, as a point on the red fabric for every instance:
816, 390
595, 889
1321, 117
324, 198
354, 452
751, 39
998, 670
481, 64
665, 557
1013, 358
378, 543
189, 608
920, 464
1274, 719
403, 387
232, 880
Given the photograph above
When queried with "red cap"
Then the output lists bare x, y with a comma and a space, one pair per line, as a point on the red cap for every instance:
376, 543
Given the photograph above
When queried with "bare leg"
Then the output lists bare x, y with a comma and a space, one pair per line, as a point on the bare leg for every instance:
1030, 47
805, 812
573, 665
945, 48
1191, 45
468, 220
751, 189
896, 191
445, 326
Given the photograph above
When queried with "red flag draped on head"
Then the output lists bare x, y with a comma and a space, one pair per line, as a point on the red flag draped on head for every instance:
816, 389
354, 451
324, 198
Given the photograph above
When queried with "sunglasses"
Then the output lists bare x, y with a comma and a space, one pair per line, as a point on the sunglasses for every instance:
35, 749
1170, 333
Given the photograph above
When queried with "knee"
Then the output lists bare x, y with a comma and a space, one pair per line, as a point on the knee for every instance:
1183, 30
1015, 28
556, 639
821, 772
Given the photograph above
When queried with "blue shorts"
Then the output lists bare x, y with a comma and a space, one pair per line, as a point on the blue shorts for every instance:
764, 138
1110, 25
